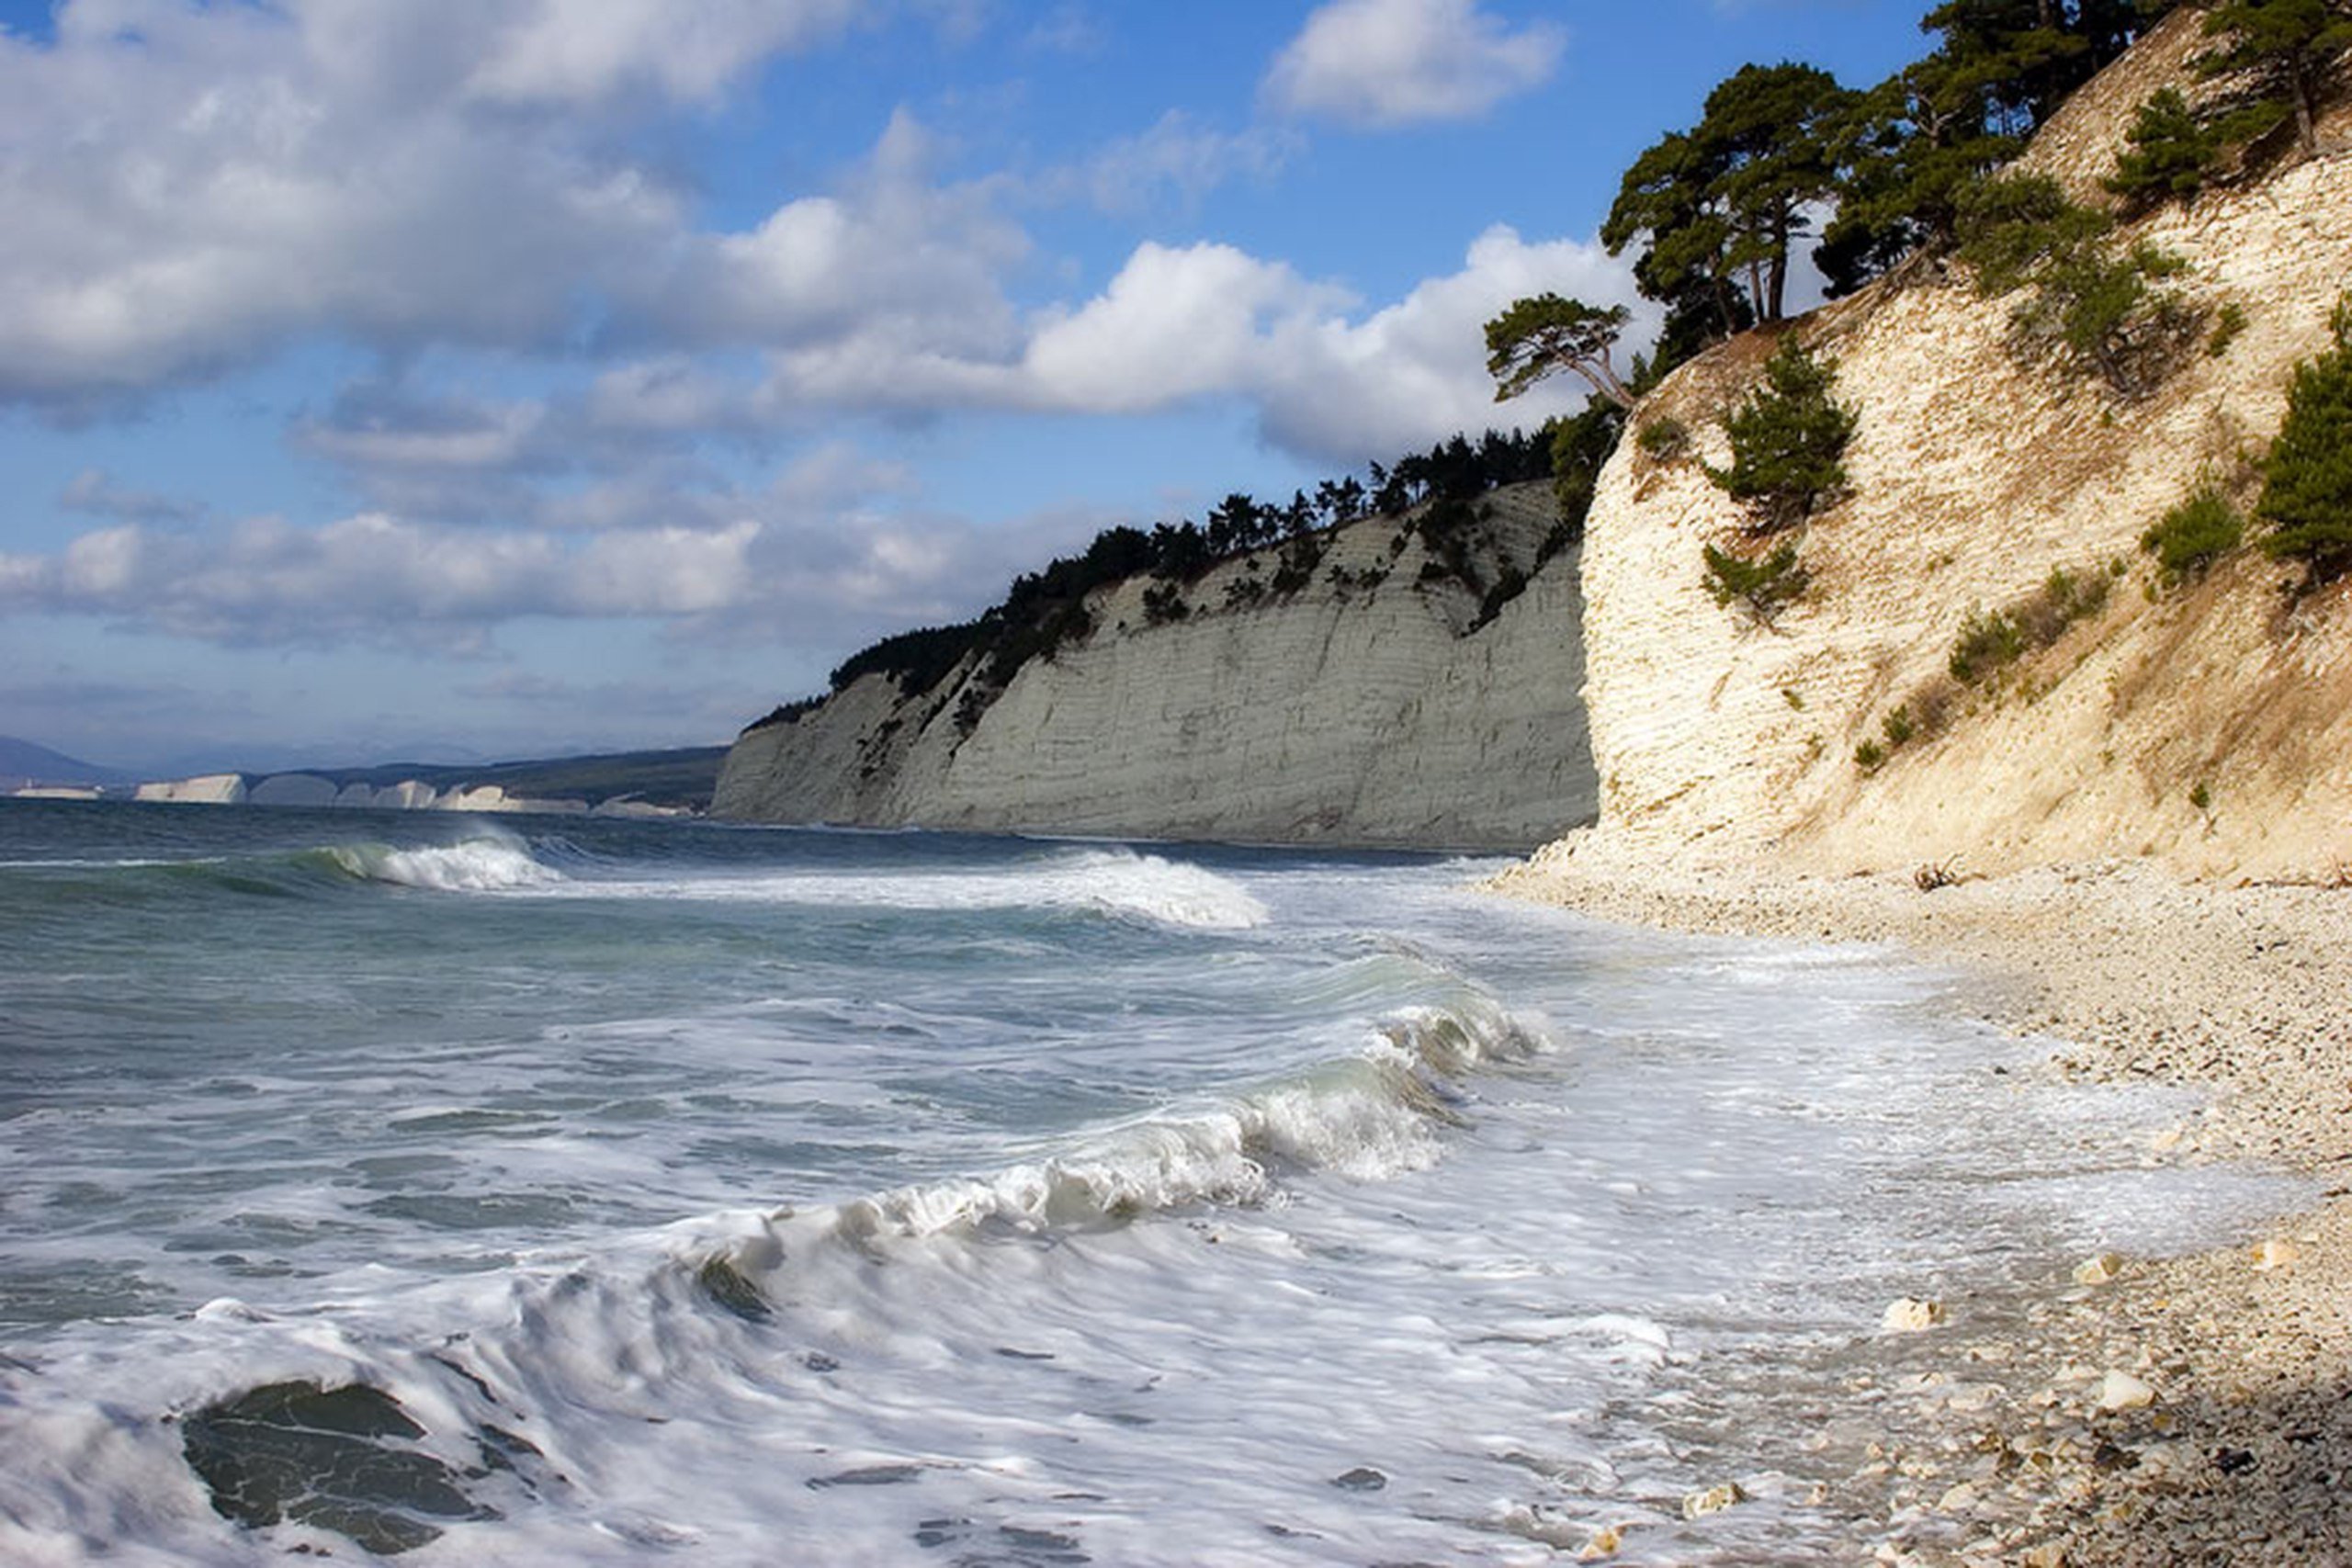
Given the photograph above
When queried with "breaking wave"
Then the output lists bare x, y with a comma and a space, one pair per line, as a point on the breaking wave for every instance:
1368, 1116
477, 865
1117, 884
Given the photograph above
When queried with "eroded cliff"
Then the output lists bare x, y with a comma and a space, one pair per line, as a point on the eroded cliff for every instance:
1372, 706
2207, 725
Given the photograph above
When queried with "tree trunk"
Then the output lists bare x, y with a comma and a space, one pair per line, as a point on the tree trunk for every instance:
2306, 135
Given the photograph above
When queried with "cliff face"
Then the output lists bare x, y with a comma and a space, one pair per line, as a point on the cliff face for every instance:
1343, 713
2210, 726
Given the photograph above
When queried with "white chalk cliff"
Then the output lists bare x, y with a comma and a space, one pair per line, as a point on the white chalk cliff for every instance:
2208, 727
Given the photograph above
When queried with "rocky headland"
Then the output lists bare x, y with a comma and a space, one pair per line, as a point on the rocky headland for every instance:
1384, 701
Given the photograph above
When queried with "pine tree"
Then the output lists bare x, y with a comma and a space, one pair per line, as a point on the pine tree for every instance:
1921, 136
2288, 47
1536, 336
2173, 152
1720, 206
1788, 442
2307, 483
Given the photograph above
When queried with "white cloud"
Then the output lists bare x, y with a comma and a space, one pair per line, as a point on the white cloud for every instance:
892, 244
190, 188
833, 551
1390, 63
1178, 324
574, 50
1177, 162
193, 189
1173, 324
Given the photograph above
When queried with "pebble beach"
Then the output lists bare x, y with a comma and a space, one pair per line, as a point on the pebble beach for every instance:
2195, 1409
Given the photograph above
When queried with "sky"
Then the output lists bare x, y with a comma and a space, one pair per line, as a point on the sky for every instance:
471, 379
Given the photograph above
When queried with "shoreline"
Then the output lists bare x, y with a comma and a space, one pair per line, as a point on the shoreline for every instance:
2187, 1409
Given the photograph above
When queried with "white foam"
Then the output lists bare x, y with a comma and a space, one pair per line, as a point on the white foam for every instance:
477, 865
1117, 883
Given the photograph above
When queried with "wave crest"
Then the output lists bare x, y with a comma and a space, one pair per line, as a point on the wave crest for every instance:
1124, 884
476, 866
1365, 1117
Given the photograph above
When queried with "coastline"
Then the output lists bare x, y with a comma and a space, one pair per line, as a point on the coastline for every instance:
2225, 1433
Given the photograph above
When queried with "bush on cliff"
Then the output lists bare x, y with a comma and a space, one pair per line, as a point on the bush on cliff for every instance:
2173, 152
1766, 586
2306, 482
2093, 304
1788, 443
2194, 535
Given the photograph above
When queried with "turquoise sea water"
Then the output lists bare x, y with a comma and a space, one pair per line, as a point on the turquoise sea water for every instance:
563, 1190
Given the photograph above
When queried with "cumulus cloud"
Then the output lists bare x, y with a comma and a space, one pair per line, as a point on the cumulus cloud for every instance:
835, 549
893, 244
193, 189
1328, 378
1377, 63
573, 50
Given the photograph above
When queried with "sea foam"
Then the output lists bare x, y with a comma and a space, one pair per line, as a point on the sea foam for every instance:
477, 865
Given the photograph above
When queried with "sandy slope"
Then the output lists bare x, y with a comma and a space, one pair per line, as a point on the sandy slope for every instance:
2244, 1453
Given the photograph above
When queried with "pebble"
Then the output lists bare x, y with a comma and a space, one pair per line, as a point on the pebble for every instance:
1606, 1541
1714, 1500
1911, 1314
2099, 1271
2121, 1391
2275, 1253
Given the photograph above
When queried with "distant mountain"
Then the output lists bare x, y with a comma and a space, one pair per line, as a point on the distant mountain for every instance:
22, 762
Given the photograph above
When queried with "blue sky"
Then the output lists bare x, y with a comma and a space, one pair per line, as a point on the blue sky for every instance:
445, 379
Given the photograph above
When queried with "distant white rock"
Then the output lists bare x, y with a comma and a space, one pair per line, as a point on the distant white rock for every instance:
292, 789
637, 809
494, 798
206, 789
406, 796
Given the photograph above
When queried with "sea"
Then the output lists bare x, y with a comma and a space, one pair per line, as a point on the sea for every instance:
580, 1192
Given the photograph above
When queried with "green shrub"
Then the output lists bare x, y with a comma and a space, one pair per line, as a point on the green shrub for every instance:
1787, 440
2064, 600
2306, 482
2098, 308
2173, 152
2228, 323
2194, 535
1898, 727
2095, 306
1869, 755
1663, 439
1987, 641
1510, 584
1766, 586
1163, 602
2012, 225
1991, 641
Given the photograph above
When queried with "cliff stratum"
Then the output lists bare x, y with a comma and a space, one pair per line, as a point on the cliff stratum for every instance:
2207, 724
1374, 705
